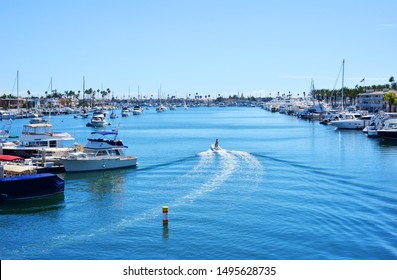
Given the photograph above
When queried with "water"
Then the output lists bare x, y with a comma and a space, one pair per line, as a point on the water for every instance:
281, 188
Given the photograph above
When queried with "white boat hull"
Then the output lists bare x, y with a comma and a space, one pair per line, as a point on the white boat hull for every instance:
215, 149
87, 164
350, 124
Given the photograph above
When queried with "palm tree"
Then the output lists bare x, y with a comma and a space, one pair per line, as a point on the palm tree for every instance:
391, 99
392, 83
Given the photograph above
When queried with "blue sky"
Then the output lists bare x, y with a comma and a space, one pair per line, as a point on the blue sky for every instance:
255, 47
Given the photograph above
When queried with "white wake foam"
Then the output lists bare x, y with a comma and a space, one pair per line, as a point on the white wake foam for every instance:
215, 169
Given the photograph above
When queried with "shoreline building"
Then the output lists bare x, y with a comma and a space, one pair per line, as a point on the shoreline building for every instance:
372, 101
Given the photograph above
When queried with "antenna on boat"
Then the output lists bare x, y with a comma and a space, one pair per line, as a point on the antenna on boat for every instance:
343, 79
18, 91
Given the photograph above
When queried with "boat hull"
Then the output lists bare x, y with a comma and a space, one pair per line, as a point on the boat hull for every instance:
32, 186
388, 134
82, 165
353, 124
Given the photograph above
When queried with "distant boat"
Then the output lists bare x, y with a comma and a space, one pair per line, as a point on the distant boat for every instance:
38, 120
137, 110
99, 154
125, 112
33, 186
161, 108
5, 132
113, 115
98, 120
82, 116
6, 115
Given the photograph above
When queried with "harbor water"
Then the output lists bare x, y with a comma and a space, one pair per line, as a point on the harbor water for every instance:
280, 188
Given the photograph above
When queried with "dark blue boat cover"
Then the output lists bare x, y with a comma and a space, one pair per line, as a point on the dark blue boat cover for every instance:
30, 186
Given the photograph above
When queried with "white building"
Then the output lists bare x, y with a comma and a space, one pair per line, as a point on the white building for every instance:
373, 101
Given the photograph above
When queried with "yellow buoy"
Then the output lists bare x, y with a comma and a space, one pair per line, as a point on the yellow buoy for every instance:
165, 214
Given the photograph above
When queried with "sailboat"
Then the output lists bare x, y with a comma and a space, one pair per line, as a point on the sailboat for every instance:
113, 115
160, 108
5, 132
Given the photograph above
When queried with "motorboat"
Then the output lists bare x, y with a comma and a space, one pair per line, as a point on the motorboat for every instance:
81, 116
125, 112
30, 186
389, 130
38, 120
215, 149
98, 120
6, 115
38, 137
99, 154
161, 108
137, 110
351, 120
378, 122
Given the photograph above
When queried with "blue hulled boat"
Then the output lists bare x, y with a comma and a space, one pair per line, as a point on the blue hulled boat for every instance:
30, 186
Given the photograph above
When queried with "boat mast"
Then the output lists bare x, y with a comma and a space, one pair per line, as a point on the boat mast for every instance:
49, 115
83, 89
343, 79
18, 91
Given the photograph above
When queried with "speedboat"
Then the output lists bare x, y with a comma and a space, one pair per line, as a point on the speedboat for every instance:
99, 154
215, 149
389, 129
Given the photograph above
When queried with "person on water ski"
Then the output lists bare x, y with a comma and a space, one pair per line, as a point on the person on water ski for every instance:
216, 143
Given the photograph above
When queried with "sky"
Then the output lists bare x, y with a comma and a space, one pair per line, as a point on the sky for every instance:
226, 47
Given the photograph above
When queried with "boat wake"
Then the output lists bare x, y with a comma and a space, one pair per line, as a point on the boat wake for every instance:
211, 173
218, 169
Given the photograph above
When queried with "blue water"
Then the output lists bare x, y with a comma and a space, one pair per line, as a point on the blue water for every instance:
282, 188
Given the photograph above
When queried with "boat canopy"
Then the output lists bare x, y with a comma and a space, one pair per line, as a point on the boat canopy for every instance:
103, 132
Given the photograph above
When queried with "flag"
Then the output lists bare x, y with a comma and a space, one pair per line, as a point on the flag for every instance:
362, 80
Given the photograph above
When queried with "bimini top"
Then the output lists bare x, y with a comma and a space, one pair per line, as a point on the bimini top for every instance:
103, 132
113, 143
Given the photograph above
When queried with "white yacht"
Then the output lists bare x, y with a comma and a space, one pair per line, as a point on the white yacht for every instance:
98, 120
99, 154
137, 110
351, 120
35, 138
125, 112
